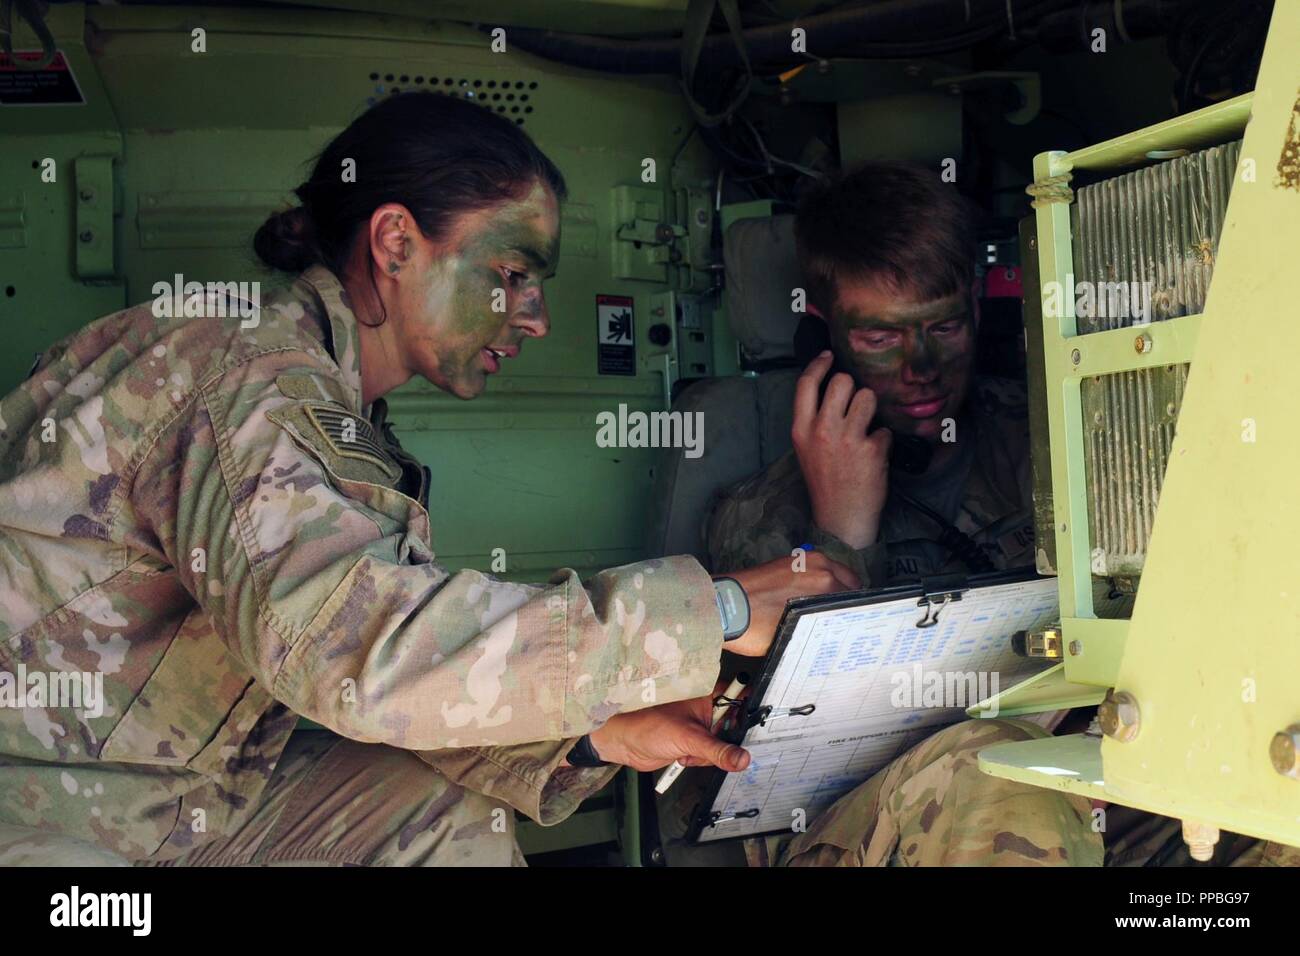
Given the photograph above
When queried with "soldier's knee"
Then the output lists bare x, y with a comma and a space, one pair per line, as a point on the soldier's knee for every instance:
456, 826
974, 735
23, 846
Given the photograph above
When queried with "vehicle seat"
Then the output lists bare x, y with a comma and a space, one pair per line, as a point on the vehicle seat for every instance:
747, 418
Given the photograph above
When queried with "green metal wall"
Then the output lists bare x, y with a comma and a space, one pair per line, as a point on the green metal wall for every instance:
203, 145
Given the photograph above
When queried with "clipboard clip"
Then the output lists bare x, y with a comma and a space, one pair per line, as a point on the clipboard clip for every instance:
768, 712
717, 816
937, 594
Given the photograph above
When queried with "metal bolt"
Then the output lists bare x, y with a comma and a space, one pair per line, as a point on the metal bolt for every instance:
657, 855
701, 217
823, 66
1143, 344
1076, 357
1098, 418
1033, 242
1200, 839
1284, 751
1119, 715
1076, 648
86, 236
87, 194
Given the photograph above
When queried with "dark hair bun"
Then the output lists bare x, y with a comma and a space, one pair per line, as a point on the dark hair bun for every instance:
287, 240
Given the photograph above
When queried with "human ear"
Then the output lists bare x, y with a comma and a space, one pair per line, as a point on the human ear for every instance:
391, 229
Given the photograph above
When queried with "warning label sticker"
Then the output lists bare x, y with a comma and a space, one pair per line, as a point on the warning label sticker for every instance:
52, 85
615, 335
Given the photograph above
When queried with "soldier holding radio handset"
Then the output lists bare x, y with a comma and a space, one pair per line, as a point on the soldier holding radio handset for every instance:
905, 462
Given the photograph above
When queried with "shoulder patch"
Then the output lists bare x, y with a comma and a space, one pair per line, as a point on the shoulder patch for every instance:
345, 442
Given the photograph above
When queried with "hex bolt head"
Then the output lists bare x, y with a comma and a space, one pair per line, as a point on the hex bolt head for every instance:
1076, 648
1143, 344
1284, 752
1076, 356
86, 236
1119, 715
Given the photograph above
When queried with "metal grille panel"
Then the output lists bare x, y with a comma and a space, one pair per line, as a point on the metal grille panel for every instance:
1146, 244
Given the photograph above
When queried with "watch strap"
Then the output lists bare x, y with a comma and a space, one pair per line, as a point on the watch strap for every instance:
584, 754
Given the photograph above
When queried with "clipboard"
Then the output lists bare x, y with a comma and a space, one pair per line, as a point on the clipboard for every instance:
827, 752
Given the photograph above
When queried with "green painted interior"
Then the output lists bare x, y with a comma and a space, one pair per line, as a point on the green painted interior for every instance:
188, 154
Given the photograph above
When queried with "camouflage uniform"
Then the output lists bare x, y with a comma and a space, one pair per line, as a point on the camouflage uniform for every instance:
219, 529
768, 515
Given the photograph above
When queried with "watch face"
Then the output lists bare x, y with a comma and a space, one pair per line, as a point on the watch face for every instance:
733, 606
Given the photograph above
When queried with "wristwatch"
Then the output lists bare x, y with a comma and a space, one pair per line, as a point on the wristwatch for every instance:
584, 754
733, 607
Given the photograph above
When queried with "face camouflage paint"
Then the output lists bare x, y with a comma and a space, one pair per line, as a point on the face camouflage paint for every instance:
916, 357
477, 303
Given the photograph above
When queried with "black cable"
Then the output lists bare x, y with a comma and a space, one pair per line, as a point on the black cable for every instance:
1189, 78
834, 33
31, 12
954, 539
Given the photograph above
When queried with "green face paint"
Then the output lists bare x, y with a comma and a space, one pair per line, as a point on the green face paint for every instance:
487, 295
916, 357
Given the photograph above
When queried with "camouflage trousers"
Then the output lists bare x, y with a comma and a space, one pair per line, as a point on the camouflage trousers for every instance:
933, 807
330, 802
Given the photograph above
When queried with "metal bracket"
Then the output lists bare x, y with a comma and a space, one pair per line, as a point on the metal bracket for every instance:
93, 237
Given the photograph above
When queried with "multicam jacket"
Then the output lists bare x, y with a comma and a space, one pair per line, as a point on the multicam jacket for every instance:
769, 514
201, 511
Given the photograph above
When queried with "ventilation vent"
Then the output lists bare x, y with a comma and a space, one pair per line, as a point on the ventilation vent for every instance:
1156, 232
511, 98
